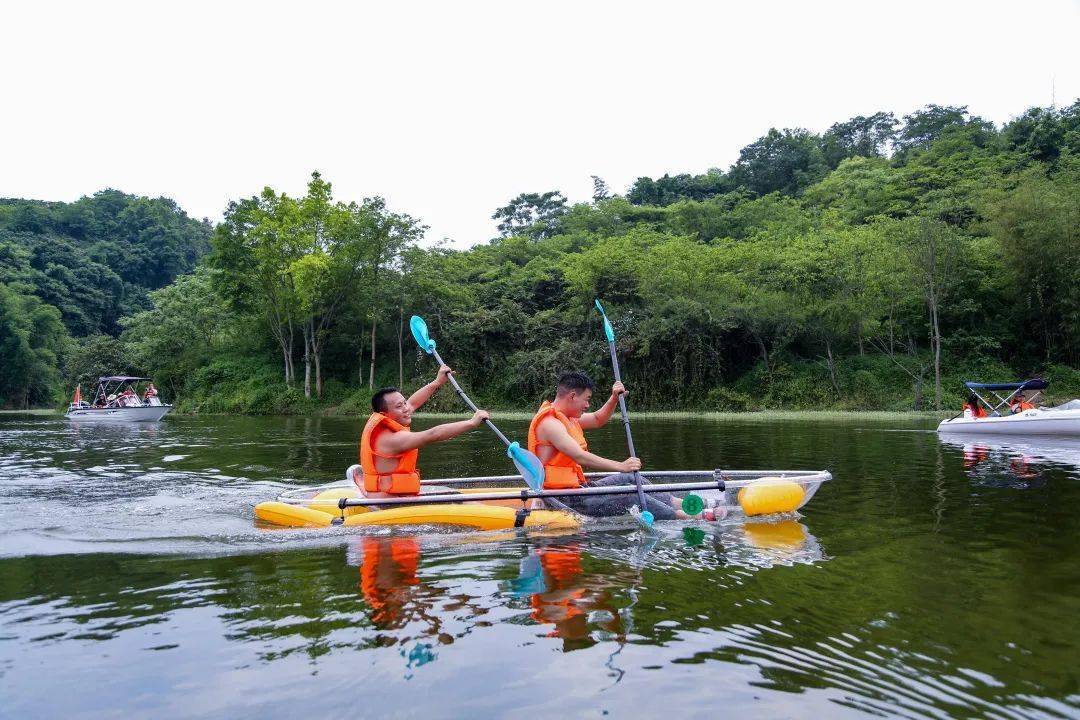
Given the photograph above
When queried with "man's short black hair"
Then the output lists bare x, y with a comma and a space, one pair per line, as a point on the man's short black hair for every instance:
574, 382
378, 400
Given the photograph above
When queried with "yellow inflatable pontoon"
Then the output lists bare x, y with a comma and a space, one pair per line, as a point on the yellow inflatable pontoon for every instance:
322, 512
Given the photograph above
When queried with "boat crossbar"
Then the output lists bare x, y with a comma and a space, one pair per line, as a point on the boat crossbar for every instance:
720, 480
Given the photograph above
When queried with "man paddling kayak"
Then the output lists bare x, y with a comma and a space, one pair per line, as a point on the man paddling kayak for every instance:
388, 449
557, 436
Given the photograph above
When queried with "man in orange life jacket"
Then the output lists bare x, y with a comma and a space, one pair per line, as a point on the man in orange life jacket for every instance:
556, 436
388, 449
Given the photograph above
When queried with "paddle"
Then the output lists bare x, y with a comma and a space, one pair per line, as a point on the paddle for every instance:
646, 517
526, 462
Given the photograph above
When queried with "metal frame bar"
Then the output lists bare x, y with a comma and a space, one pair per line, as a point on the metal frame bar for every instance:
525, 495
731, 478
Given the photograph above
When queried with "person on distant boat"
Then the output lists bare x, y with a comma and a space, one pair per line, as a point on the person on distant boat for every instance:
1019, 403
557, 437
972, 409
389, 449
150, 396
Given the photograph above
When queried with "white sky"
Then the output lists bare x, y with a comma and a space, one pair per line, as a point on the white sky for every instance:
449, 109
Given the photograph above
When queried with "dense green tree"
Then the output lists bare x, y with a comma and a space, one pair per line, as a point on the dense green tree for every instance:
1043, 134
379, 240
533, 214
186, 325
254, 247
860, 136
1038, 227
861, 188
297, 263
673, 188
785, 161
98, 356
32, 343
923, 127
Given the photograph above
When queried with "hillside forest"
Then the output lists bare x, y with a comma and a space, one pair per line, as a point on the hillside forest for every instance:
874, 265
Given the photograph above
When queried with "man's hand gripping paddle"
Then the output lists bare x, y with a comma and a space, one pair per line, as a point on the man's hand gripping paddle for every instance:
526, 462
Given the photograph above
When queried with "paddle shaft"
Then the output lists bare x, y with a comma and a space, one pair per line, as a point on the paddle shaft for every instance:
467, 401
523, 494
626, 422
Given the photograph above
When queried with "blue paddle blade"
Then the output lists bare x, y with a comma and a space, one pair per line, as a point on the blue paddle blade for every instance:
608, 332
646, 518
420, 334
530, 579
527, 464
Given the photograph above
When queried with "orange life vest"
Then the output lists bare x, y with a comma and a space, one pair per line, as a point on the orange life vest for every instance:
404, 479
389, 567
560, 470
562, 604
1021, 406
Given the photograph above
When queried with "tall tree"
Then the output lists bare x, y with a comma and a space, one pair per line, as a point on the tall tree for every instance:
784, 161
386, 236
860, 136
600, 190
255, 245
933, 251
924, 127
533, 214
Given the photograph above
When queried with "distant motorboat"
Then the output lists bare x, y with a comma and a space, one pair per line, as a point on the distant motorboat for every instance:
1006, 417
116, 399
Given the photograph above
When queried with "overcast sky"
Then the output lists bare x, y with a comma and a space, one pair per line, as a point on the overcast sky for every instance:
449, 109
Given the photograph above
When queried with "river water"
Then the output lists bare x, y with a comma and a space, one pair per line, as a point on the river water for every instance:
927, 579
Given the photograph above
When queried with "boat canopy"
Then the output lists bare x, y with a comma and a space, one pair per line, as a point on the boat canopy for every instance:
120, 378
1035, 384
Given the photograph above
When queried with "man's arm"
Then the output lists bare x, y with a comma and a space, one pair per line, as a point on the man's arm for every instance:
399, 442
421, 396
553, 432
599, 418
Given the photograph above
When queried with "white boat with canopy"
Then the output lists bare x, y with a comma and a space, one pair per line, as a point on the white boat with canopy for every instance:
993, 413
117, 399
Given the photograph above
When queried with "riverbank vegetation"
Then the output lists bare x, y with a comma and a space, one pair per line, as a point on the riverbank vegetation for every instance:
873, 266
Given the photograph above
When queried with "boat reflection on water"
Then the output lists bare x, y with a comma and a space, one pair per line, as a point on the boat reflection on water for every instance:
561, 594
584, 608
1014, 458
391, 586
113, 431
580, 589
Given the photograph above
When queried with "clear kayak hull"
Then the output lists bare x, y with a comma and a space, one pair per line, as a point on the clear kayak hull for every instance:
750, 492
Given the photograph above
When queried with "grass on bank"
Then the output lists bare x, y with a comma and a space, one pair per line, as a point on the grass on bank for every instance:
35, 411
